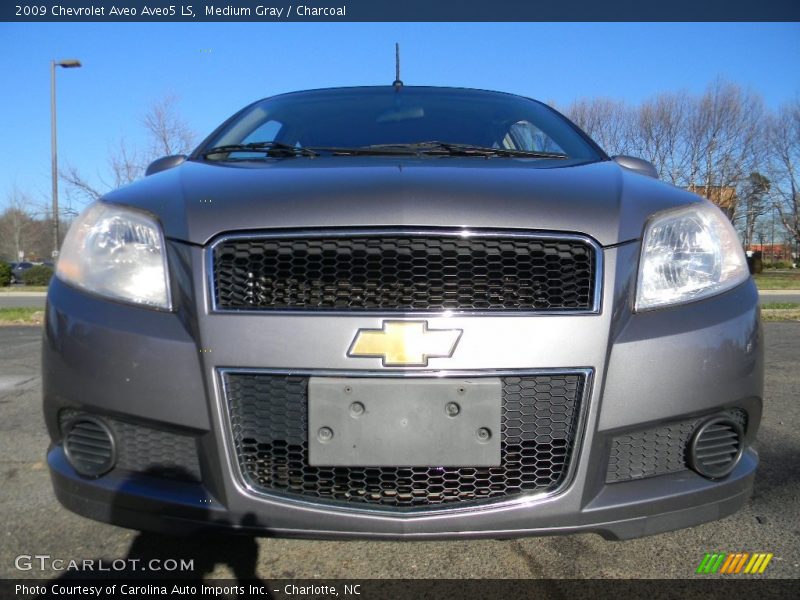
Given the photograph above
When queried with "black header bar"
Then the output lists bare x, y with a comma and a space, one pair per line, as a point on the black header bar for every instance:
110, 588
153, 11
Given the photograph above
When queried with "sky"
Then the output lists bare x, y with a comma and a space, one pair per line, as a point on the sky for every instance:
214, 69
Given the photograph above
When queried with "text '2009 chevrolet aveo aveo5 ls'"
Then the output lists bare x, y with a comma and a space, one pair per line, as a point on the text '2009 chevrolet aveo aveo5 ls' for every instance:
402, 312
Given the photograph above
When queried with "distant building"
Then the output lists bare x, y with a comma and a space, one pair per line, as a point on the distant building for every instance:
774, 252
723, 196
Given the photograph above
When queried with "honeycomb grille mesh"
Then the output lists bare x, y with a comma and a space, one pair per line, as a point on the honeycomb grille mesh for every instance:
268, 418
394, 272
656, 451
155, 452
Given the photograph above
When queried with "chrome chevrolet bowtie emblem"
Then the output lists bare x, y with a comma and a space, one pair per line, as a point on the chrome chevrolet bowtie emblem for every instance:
404, 343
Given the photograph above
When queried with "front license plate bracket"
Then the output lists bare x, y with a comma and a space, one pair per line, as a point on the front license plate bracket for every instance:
404, 422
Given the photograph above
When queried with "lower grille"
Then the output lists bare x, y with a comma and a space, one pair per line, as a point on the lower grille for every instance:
268, 419
656, 451
150, 451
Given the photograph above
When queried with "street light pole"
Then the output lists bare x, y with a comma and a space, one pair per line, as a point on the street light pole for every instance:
67, 64
53, 159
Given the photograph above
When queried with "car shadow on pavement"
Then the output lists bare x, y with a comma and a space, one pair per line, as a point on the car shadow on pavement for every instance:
204, 551
190, 556
779, 456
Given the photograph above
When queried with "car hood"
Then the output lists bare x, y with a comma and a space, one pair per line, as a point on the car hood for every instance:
197, 200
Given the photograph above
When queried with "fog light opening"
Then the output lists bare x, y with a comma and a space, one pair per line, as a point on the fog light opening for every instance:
716, 447
89, 445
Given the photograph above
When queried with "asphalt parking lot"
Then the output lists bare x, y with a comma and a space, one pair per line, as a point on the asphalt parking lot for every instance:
34, 523
22, 300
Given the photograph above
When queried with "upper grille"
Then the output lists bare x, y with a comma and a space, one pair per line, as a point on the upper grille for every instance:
269, 427
410, 272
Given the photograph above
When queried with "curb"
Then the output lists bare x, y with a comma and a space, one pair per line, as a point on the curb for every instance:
34, 294
779, 292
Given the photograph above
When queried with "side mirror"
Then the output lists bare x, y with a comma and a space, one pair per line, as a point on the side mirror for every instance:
164, 163
638, 165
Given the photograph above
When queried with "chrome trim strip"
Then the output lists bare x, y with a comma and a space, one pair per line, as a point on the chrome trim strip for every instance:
444, 232
245, 488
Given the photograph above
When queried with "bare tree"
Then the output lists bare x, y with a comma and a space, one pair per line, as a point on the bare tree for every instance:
25, 226
784, 146
724, 137
606, 121
125, 165
167, 133
15, 223
706, 142
753, 204
78, 185
659, 135
709, 143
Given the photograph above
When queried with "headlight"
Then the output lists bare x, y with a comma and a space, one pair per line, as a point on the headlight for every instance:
118, 253
687, 254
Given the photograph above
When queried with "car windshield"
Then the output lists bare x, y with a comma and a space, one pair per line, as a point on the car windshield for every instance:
389, 120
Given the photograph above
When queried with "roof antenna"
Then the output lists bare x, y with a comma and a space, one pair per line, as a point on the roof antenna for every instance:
397, 83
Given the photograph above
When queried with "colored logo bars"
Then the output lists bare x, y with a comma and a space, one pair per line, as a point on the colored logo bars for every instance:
735, 563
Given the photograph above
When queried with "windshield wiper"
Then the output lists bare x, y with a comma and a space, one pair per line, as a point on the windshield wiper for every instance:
270, 148
434, 148
388, 150
451, 149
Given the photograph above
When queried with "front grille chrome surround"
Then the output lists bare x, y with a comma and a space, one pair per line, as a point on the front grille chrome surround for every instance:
581, 381
340, 274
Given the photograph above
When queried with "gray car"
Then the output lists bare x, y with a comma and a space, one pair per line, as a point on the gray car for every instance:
402, 312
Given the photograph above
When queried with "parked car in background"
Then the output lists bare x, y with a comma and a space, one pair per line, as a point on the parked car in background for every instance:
18, 271
408, 312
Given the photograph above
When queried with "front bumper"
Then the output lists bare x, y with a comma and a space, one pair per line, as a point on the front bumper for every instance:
162, 369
